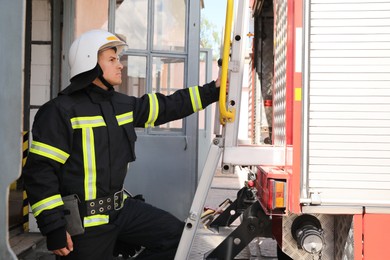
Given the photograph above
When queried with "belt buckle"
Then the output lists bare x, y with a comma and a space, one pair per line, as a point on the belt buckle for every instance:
118, 200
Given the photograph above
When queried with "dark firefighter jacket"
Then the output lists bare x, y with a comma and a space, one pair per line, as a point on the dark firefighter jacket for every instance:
83, 142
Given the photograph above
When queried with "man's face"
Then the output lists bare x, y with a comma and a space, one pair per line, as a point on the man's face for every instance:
111, 66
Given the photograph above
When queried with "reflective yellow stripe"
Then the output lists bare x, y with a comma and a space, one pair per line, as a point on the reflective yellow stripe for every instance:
153, 110
125, 118
89, 163
49, 151
86, 124
95, 220
87, 121
45, 204
195, 99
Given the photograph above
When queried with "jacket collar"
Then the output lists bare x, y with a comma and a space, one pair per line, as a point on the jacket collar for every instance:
97, 94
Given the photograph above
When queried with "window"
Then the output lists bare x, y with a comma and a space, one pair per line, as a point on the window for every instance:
169, 25
155, 32
167, 77
133, 75
131, 22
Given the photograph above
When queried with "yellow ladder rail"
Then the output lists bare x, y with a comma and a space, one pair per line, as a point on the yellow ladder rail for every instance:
225, 114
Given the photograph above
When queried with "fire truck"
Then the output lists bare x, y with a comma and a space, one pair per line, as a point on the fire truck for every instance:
318, 113
320, 76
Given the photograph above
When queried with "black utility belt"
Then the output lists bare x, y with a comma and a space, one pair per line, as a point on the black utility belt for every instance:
105, 204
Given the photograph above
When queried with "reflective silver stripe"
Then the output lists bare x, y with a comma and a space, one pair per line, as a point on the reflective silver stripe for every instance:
153, 110
89, 163
49, 151
96, 220
87, 121
125, 118
45, 204
195, 99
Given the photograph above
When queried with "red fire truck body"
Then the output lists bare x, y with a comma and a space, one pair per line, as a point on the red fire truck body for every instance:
331, 94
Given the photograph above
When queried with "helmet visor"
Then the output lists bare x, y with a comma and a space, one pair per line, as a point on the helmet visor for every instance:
118, 45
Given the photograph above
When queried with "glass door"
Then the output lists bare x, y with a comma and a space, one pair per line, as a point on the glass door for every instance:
162, 56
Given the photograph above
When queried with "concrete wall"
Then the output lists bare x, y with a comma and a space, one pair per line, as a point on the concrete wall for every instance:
90, 14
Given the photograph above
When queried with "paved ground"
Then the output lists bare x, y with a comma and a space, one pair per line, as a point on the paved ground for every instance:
223, 186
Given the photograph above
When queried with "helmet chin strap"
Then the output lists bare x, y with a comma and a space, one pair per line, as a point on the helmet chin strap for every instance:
102, 79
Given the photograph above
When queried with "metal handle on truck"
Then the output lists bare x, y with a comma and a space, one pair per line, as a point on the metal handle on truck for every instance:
226, 115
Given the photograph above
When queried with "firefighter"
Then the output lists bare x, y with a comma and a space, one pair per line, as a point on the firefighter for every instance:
83, 141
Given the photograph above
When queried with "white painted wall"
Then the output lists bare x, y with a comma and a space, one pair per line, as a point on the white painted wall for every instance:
40, 52
40, 65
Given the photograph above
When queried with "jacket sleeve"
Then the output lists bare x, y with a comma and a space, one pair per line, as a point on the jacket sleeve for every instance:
49, 150
155, 109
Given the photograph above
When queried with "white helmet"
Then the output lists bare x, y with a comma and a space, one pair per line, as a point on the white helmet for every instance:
83, 53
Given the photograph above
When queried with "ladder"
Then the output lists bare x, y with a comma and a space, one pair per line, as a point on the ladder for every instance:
225, 145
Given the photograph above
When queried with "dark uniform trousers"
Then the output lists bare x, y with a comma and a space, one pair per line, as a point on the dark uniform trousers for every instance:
136, 224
